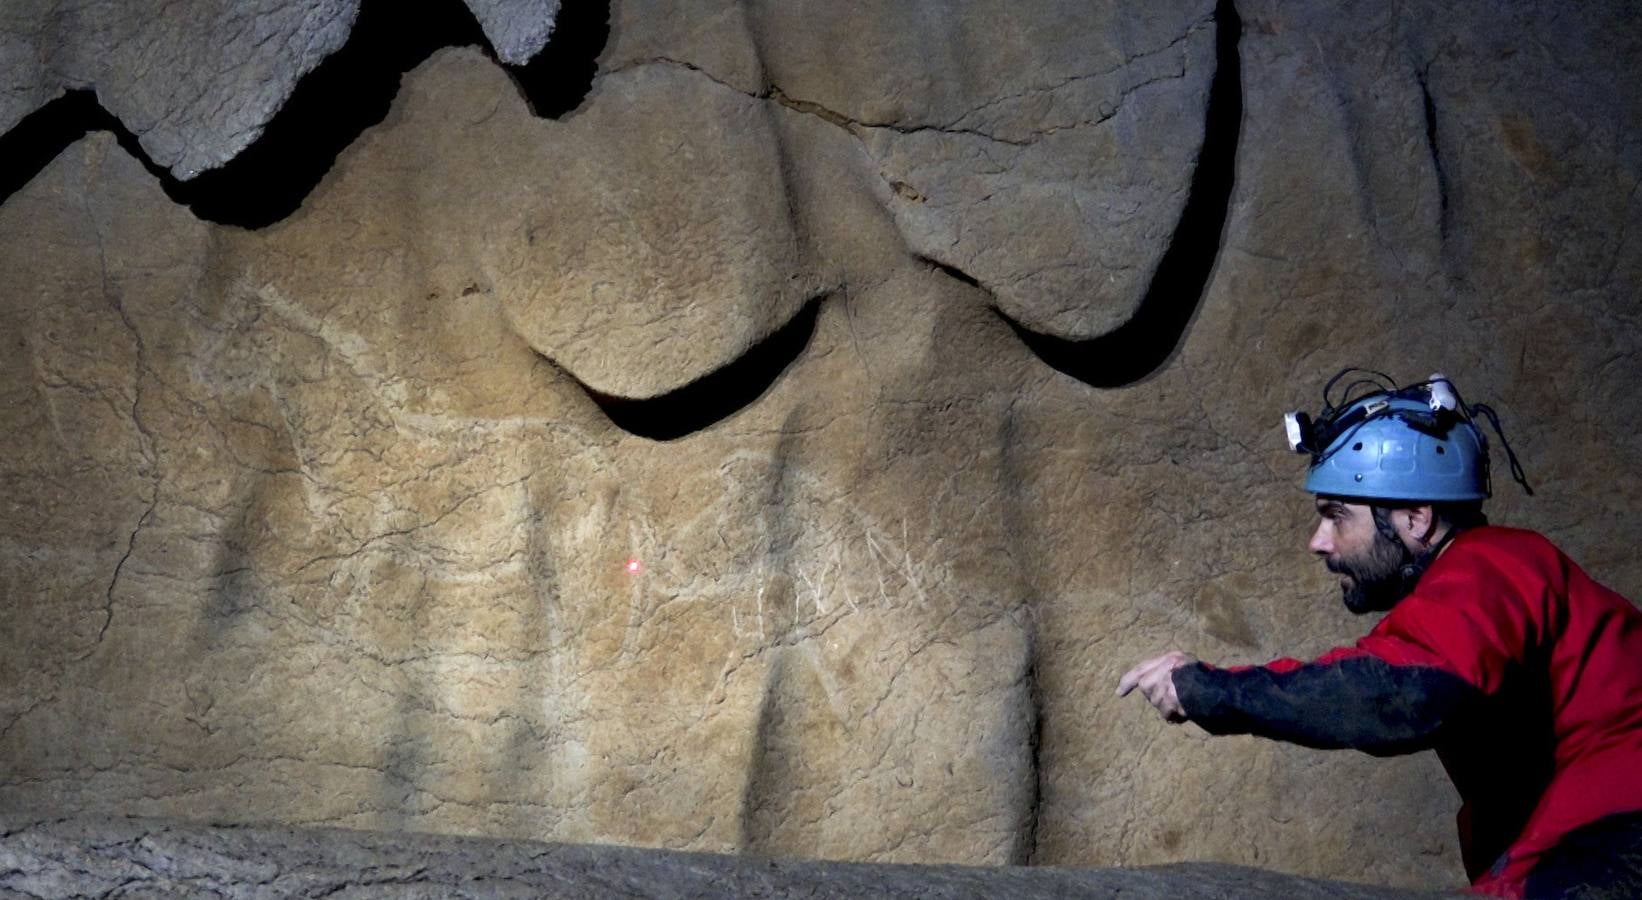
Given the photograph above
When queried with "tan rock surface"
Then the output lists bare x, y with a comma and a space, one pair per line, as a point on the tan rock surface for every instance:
87, 855
643, 270
197, 81
1045, 155
315, 523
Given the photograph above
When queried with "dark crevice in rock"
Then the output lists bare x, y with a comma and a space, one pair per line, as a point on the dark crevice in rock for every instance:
1027, 848
811, 108
35, 141
772, 92
557, 81
114, 580
1436, 157
330, 107
349, 92
1140, 346
951, 270
955, 126
718, 394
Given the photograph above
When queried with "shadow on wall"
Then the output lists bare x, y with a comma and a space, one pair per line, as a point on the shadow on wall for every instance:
718, 394
1143, 344
331, 106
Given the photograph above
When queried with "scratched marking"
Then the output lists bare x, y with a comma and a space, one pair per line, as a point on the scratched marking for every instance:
860, 567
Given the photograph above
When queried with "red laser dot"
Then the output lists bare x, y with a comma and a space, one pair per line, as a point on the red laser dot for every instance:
632, 566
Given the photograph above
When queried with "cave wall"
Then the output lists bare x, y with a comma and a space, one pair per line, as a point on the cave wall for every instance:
747, 426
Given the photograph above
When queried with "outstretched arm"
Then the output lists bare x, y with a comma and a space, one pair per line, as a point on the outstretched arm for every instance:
1348, 698
1444, 651
1344, 700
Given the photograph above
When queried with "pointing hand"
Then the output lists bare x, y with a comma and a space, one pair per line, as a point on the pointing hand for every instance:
1155, 678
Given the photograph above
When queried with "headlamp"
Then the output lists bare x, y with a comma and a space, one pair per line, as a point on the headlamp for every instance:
1298, 427
1442, 393
1314, 437
1307, 436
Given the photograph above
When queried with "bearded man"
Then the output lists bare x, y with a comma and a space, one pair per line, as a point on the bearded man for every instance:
1496, 650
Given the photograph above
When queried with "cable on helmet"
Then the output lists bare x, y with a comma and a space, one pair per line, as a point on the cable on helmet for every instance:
1436, 409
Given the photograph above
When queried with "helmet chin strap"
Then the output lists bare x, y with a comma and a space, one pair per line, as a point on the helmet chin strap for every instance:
1413, 565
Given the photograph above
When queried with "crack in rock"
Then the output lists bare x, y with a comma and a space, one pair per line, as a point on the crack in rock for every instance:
774, 93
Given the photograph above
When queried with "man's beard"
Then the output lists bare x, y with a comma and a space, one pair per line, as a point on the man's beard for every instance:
1377, 581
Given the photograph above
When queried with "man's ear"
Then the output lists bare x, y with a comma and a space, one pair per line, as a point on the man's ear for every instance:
1419, 523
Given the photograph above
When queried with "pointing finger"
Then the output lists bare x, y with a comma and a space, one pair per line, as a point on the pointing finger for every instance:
1134, 676
1129, 680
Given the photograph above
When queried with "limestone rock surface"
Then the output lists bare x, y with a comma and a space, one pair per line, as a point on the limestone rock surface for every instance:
197, 81
1046, 155
644, 266
147, 858
517, 29
361, 518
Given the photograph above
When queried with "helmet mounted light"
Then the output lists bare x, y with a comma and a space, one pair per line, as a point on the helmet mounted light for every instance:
1441, 392
1298, 427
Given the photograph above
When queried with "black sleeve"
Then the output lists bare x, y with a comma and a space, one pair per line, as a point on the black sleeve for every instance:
1602, 859
1361, 703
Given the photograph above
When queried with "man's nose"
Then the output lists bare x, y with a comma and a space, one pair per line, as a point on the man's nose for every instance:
1322, 543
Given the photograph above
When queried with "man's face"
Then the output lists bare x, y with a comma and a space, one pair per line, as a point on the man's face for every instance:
1368, 562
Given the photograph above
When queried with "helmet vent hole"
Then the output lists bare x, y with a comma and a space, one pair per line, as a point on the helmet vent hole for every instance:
1441, 450
1357, 446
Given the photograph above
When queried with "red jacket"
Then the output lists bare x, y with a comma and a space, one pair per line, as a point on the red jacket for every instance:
1523, 673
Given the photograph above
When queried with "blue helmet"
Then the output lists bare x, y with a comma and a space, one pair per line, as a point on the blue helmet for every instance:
1416, 444
1385, 456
